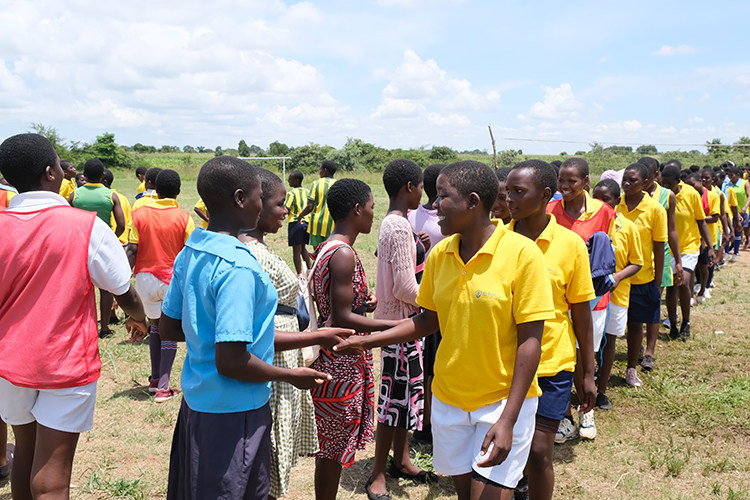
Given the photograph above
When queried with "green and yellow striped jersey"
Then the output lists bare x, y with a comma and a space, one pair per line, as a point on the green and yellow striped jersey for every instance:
321, 223
295, 202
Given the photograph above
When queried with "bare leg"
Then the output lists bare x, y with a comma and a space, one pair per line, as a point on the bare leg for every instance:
401, 457
635, 341
297, 258
327, 478
306, 256
608, 359
3, 443
652, 333
704, 278
463, 486
482, 491
539, 467
383, 440
53, 463
672, 304
106, 300
20, 476
685, 295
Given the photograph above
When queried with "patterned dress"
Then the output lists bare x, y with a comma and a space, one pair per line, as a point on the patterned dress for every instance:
293, 433
345, 405
401, 256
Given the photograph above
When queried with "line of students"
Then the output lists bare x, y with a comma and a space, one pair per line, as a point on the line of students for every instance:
518, 313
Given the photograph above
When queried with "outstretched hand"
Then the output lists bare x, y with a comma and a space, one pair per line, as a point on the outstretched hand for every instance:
137, 329
372, 302
500, 436
307, 378
332, 336
353, 344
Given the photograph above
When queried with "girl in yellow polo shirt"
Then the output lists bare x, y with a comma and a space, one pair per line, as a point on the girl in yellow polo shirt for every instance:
531, 185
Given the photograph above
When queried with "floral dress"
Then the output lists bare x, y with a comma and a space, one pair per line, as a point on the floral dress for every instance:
293, 433
344, 405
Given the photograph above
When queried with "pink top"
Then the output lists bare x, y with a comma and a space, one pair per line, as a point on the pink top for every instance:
425, 221
396, 286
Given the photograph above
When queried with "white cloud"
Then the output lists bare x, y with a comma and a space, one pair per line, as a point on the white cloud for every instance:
415, 3
632, 125
697, 119
558, 104
602, 60
682, 50
703, 98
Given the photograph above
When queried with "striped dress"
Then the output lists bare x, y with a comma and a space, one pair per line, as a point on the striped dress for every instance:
321, 222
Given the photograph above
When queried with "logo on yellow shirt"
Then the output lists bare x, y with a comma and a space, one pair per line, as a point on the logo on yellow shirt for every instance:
479, 294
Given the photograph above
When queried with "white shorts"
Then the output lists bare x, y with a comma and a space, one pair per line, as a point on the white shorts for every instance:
598, 321
458, 435
689, 261
617, 320
152, 291
66, 410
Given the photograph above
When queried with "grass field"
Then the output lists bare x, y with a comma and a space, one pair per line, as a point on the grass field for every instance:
684, 435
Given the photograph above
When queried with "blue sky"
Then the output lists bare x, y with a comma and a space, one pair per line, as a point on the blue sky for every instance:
397, 73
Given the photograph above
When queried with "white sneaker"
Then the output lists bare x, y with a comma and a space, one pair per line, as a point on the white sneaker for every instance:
733, 258
707, 294
700, 298
566, 431
666, 322
588, 429
631, 378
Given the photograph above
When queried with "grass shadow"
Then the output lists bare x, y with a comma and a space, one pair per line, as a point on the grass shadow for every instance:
134, 394
354, 479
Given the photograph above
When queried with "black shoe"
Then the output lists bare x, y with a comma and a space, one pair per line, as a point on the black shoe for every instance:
113, 319
522, 489
423, 477
374, 496
640, 353
648, 363
674, 333
422, 437
602, 402
685, 332
103, 334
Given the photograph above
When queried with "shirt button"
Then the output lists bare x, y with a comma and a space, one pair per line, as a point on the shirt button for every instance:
464, 273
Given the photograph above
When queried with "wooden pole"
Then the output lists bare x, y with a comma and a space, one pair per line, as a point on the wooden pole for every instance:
494, 151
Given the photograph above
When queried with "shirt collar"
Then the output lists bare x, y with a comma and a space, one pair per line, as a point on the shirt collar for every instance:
547, 234
221, 245
9, 188
489, 246
623, 205
164, 203
36, 200
93, 184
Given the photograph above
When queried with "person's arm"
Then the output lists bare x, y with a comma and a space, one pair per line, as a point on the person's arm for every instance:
326, 337
580, 313
405, 286
203, 215
747, 195
308, 209
170, 329
658, 249
706, 237
341, 267
132, 253
119, 215
737, 222
233, 361
626, 272
527, 361
673, 240
71, 198
416, 327
136, 324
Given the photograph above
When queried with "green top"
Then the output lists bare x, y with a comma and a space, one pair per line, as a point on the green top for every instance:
739, 190
321, 222
94, 197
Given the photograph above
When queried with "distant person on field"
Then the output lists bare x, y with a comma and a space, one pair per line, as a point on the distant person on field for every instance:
500, 208
80, 180
222, 304
108, 180
149, 195
488, 290
741, 189
95, 197
202, 212
297, 235
48, 396
140, 173
710, 202
68, 184
158, 233
321, 222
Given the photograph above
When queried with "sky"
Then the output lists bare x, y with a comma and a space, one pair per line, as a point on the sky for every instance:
395, 73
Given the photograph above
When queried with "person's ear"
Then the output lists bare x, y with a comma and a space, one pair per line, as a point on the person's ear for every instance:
240, 198
357, 209
474, 200
547, 194
49, 173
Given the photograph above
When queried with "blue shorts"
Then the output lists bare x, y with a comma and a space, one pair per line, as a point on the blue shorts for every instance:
297, 234
645, 304
745, 219
555, 398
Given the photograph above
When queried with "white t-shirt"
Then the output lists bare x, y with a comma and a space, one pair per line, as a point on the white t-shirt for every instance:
107, 261
423, 220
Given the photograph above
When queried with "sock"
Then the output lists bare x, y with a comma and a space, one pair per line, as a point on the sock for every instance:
168, 353
154, 348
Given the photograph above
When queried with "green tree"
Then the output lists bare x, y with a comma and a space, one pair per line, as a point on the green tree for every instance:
740, 150
647, 149
307, 158
277, 148
218, 151
254, 150
442, 154
715, 149
188, 149
106, 149
52, 136
169, 149
243, 149
507, 157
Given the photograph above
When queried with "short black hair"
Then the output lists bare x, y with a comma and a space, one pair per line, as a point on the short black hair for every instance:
152, 174
168, 184
611, 185
398, 174
93, 170
676, 163
671, 172
430, 178
651, 164
694, 168
297, 175
684, 173
555, 163
542, 173
471, 176
221, 176
640, 168
581, 165
64, 164
141, 170
733, 170
109, 177
502, 173
695, 177
24, 158
330, 166
344, 195
268, 181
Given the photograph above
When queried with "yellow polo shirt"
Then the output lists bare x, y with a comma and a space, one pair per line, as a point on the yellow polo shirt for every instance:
731, 200
141, 188
688, 211
67, 187
202, 206
628, 250
479, 304
146, 199
567, 262
650, 220
125, 204
714, 208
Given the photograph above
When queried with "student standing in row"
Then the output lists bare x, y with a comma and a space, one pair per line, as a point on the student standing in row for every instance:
68, 184
321, 222
297, 235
